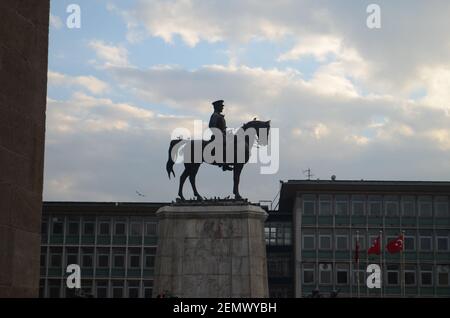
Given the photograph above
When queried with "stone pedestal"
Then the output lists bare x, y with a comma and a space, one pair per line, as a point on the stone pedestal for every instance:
215, 251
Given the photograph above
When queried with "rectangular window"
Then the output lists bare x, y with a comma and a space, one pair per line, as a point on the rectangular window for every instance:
102, 289
150, 261
120, 229
408, 208
393, 274
391, 209
135, 229
57, 226
342, 208
103, 260
72, 259
308, 274
324, 207
135, 260
74, 228
117, 289
104, 228
342, 274
89, 228
358, 208
442, 243
87, 260
410, 243
426, 275
119, 261
342, 242
150, 228
133, 289
44, 228
325, 273
441, 209
43, 262
426, 243
55, 260
375, 209
442, 275
410, 277
308, 242
148, 292
325, 242
425, 209
309, 208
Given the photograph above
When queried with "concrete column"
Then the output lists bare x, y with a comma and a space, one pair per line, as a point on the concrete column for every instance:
23, 90
211, 251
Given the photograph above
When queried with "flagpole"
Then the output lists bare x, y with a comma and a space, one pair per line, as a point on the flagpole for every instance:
381, 262
357, 261
402, 269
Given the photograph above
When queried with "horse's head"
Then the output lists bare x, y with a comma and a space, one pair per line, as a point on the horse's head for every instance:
261, 128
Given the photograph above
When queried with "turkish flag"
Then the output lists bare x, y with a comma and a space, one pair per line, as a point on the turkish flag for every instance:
396, 245
375, 248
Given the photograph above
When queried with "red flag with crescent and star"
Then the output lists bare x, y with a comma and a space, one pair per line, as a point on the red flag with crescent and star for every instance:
375, 248
396, 245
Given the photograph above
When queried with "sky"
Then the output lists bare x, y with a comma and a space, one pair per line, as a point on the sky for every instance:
348, 100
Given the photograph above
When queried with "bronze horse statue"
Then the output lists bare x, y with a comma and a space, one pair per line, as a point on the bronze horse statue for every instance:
253, 132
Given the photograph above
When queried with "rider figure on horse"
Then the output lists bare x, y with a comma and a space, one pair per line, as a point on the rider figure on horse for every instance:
217, 120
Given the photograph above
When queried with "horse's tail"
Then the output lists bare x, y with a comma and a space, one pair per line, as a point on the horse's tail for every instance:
170, 161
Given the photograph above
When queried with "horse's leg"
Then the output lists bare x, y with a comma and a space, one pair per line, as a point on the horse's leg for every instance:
192, 175
184, 175
236, 177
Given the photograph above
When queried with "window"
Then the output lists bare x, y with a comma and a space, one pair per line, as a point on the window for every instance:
278, 233
426, 275
135, 260
56, 260
308, 208
442, 243
410, 276
341, 206
375, 208
391, 209
136, 229
410, 243
72, 256
425, 209
325, 242
148, 288
102, 289
325, 205
150, 228
308, 274
442, 275
308, 242
149, 261
120, 229
54, 288
87, 257
104, 228
89, 228
117, 289
278, 266
74, 228
408, 208
441, 209
392, 274
325, 271
342, 242
57, 226
342, 274
119, 261
358, 208
43, 262
133, 289
103, 260
44, 228
426, 243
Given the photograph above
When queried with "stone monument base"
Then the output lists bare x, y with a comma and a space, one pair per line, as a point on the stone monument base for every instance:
211, 250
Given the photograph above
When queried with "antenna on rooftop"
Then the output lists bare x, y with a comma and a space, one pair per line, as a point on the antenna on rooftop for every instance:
308, 173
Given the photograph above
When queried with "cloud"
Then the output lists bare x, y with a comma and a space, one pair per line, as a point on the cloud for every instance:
90, 83
110, 54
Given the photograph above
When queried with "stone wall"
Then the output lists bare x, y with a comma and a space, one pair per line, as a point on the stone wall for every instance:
23, 89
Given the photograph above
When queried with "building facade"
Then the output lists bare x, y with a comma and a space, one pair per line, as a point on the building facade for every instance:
114, 244
330, 216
